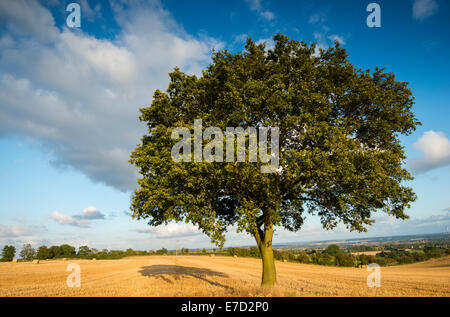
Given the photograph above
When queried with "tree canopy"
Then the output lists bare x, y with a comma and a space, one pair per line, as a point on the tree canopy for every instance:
339, 151
8, 253
28, 253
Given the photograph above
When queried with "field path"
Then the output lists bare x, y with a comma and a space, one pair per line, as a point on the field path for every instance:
217, 276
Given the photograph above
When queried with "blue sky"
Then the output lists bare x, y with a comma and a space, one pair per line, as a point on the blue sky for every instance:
69, 100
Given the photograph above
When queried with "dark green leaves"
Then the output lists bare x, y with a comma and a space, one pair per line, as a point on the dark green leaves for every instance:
339, 148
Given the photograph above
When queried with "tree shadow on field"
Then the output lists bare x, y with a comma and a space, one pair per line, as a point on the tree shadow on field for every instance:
178, 272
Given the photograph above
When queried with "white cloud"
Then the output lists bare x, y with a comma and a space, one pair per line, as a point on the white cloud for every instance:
270, 44
384, 225
90, 13
268, 15
335, 37
82, 220
423, 9
90, 213
389, 225
28, 18
68, 220
317, 18
436, 152
78, 95
240, 38
171, 230
8, 231
321, 42
22, 233
256, 6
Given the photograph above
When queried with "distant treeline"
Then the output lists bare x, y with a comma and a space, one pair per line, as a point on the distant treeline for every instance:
332, 255
66, 251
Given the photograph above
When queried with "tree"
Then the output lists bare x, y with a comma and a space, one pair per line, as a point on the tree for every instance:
344, 259
67, 251
339, 151
43, 253
55, 251
162, 251
303, 257
83, 251
27, 253
333, 249
8, 253
324, 259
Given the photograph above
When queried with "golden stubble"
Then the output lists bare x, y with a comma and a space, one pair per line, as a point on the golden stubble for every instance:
217, 276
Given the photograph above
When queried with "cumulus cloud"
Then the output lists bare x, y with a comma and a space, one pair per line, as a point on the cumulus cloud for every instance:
171, 230
423, 9
27, 18
22, 233
434, 223
9, 231
436, 152
256, 6
79, 96
63, 219
90, 213
82, 220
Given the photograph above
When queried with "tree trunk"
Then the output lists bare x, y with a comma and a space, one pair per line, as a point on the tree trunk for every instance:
264, 241
269, 274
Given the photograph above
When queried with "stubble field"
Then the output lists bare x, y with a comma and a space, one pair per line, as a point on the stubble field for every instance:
217, 276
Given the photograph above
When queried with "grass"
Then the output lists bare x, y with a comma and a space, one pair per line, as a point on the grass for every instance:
217, 276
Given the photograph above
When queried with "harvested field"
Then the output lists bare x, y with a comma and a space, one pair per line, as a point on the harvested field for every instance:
217, 276
366, 253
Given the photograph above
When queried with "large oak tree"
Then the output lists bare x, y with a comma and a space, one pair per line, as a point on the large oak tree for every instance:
340, 154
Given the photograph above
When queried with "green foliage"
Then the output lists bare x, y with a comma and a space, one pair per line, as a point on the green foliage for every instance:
83, 251
361, 248
55, 252
363, 259
325, 259
8, 253
344, 259
255, 252
339, 145
67, 251
340, 152
303, 257
43, 253
400, 256
162, 251
28, 253
333, 249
